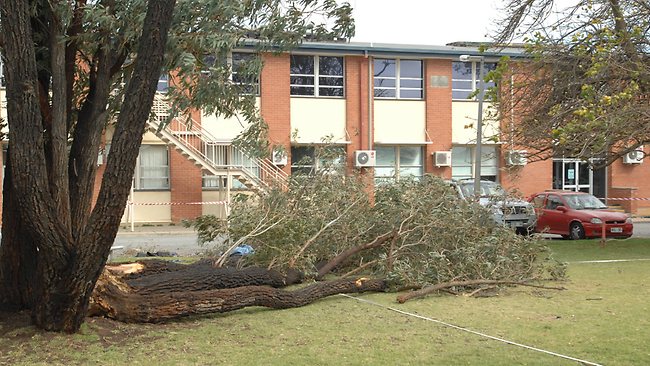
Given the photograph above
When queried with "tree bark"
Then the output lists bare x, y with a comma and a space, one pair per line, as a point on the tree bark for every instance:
114, 298
69, 260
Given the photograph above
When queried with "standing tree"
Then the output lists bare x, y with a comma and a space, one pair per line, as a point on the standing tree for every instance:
71, 67
584, 90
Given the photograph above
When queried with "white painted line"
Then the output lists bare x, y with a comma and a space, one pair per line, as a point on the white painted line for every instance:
610, 261
474, 332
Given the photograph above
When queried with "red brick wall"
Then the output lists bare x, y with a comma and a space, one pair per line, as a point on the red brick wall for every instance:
185, 185
275, 100
356, 104
438, 115
356, 123
528, 179
634, 177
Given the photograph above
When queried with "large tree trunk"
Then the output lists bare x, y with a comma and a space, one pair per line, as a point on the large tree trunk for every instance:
115, 298
54, 252
17, 254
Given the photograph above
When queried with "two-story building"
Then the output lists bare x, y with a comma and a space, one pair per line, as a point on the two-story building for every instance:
396, 110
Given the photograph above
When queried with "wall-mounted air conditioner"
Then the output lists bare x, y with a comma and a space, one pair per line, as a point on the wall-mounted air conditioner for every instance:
279, 157
442, 158
365, 158
516, 157
634, 156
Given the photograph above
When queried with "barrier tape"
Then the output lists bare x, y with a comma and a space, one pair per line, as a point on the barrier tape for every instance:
175, 203
626, 199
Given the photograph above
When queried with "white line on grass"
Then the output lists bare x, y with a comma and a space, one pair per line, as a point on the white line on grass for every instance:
473, 331
610, 261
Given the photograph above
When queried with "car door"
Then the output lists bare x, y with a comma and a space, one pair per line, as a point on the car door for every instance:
554, 220
538, 203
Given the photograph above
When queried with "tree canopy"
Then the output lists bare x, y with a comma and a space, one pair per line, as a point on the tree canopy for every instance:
73, 67
584, 91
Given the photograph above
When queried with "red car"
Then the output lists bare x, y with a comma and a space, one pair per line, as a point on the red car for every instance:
577, 215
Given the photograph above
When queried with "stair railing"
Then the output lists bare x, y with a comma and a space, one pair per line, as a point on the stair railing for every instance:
219, 154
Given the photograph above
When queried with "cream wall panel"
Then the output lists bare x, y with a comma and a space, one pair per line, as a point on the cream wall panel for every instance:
225, 129
214, 196
154, 213
316, 118
400, 121
464, 114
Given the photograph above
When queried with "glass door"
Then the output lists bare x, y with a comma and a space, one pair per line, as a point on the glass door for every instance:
572, 175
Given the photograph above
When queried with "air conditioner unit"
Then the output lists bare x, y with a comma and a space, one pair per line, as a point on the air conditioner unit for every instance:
516, 157
365, 158
279, 157
442, 158
634, 157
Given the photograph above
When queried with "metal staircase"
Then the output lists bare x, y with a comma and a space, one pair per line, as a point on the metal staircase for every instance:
219, 158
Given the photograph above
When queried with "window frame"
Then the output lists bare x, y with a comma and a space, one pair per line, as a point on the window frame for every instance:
316, 76
231, 63
492, 177
138, 175
397, 165
398, 80
475, 65
317, 164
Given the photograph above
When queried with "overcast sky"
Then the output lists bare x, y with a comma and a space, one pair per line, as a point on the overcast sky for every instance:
430, 22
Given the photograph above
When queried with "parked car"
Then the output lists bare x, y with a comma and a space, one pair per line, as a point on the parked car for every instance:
578, 215
506, 210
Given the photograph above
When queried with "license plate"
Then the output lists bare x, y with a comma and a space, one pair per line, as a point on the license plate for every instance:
616, 229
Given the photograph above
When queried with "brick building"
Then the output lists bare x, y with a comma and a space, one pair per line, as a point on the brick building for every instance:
410, 105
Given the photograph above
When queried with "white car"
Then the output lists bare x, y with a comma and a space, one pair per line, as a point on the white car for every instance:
506, 210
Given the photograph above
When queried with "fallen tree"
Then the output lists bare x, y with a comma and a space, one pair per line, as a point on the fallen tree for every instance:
325, 235
117, 297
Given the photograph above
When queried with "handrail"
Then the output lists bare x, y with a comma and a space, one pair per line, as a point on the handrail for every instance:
219, 154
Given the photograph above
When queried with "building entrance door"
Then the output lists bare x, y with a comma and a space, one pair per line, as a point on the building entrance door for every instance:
576, 175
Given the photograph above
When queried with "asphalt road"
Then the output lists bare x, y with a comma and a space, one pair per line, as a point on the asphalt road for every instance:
184, 242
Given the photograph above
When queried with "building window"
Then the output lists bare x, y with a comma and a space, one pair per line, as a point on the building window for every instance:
152, 168
465, 78
396, 162
319, 76
462, 162
400, 79
309, 160
245, 78
219, 182
163, 83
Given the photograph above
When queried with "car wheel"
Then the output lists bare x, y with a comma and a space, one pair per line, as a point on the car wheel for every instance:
576, 231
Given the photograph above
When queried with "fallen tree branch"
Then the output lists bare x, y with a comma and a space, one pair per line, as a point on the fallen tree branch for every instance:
445, 285
378, 241
293, 260
115, 299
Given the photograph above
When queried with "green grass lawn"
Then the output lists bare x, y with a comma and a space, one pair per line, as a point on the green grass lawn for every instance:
601, 317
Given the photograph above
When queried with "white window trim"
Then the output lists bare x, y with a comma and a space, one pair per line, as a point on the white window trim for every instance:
229, 60
398, 79
473, 162
316, 76
397, 166
137, 176
475, 81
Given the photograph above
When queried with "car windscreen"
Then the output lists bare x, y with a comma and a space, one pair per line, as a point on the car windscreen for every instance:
583, 202
488, 189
